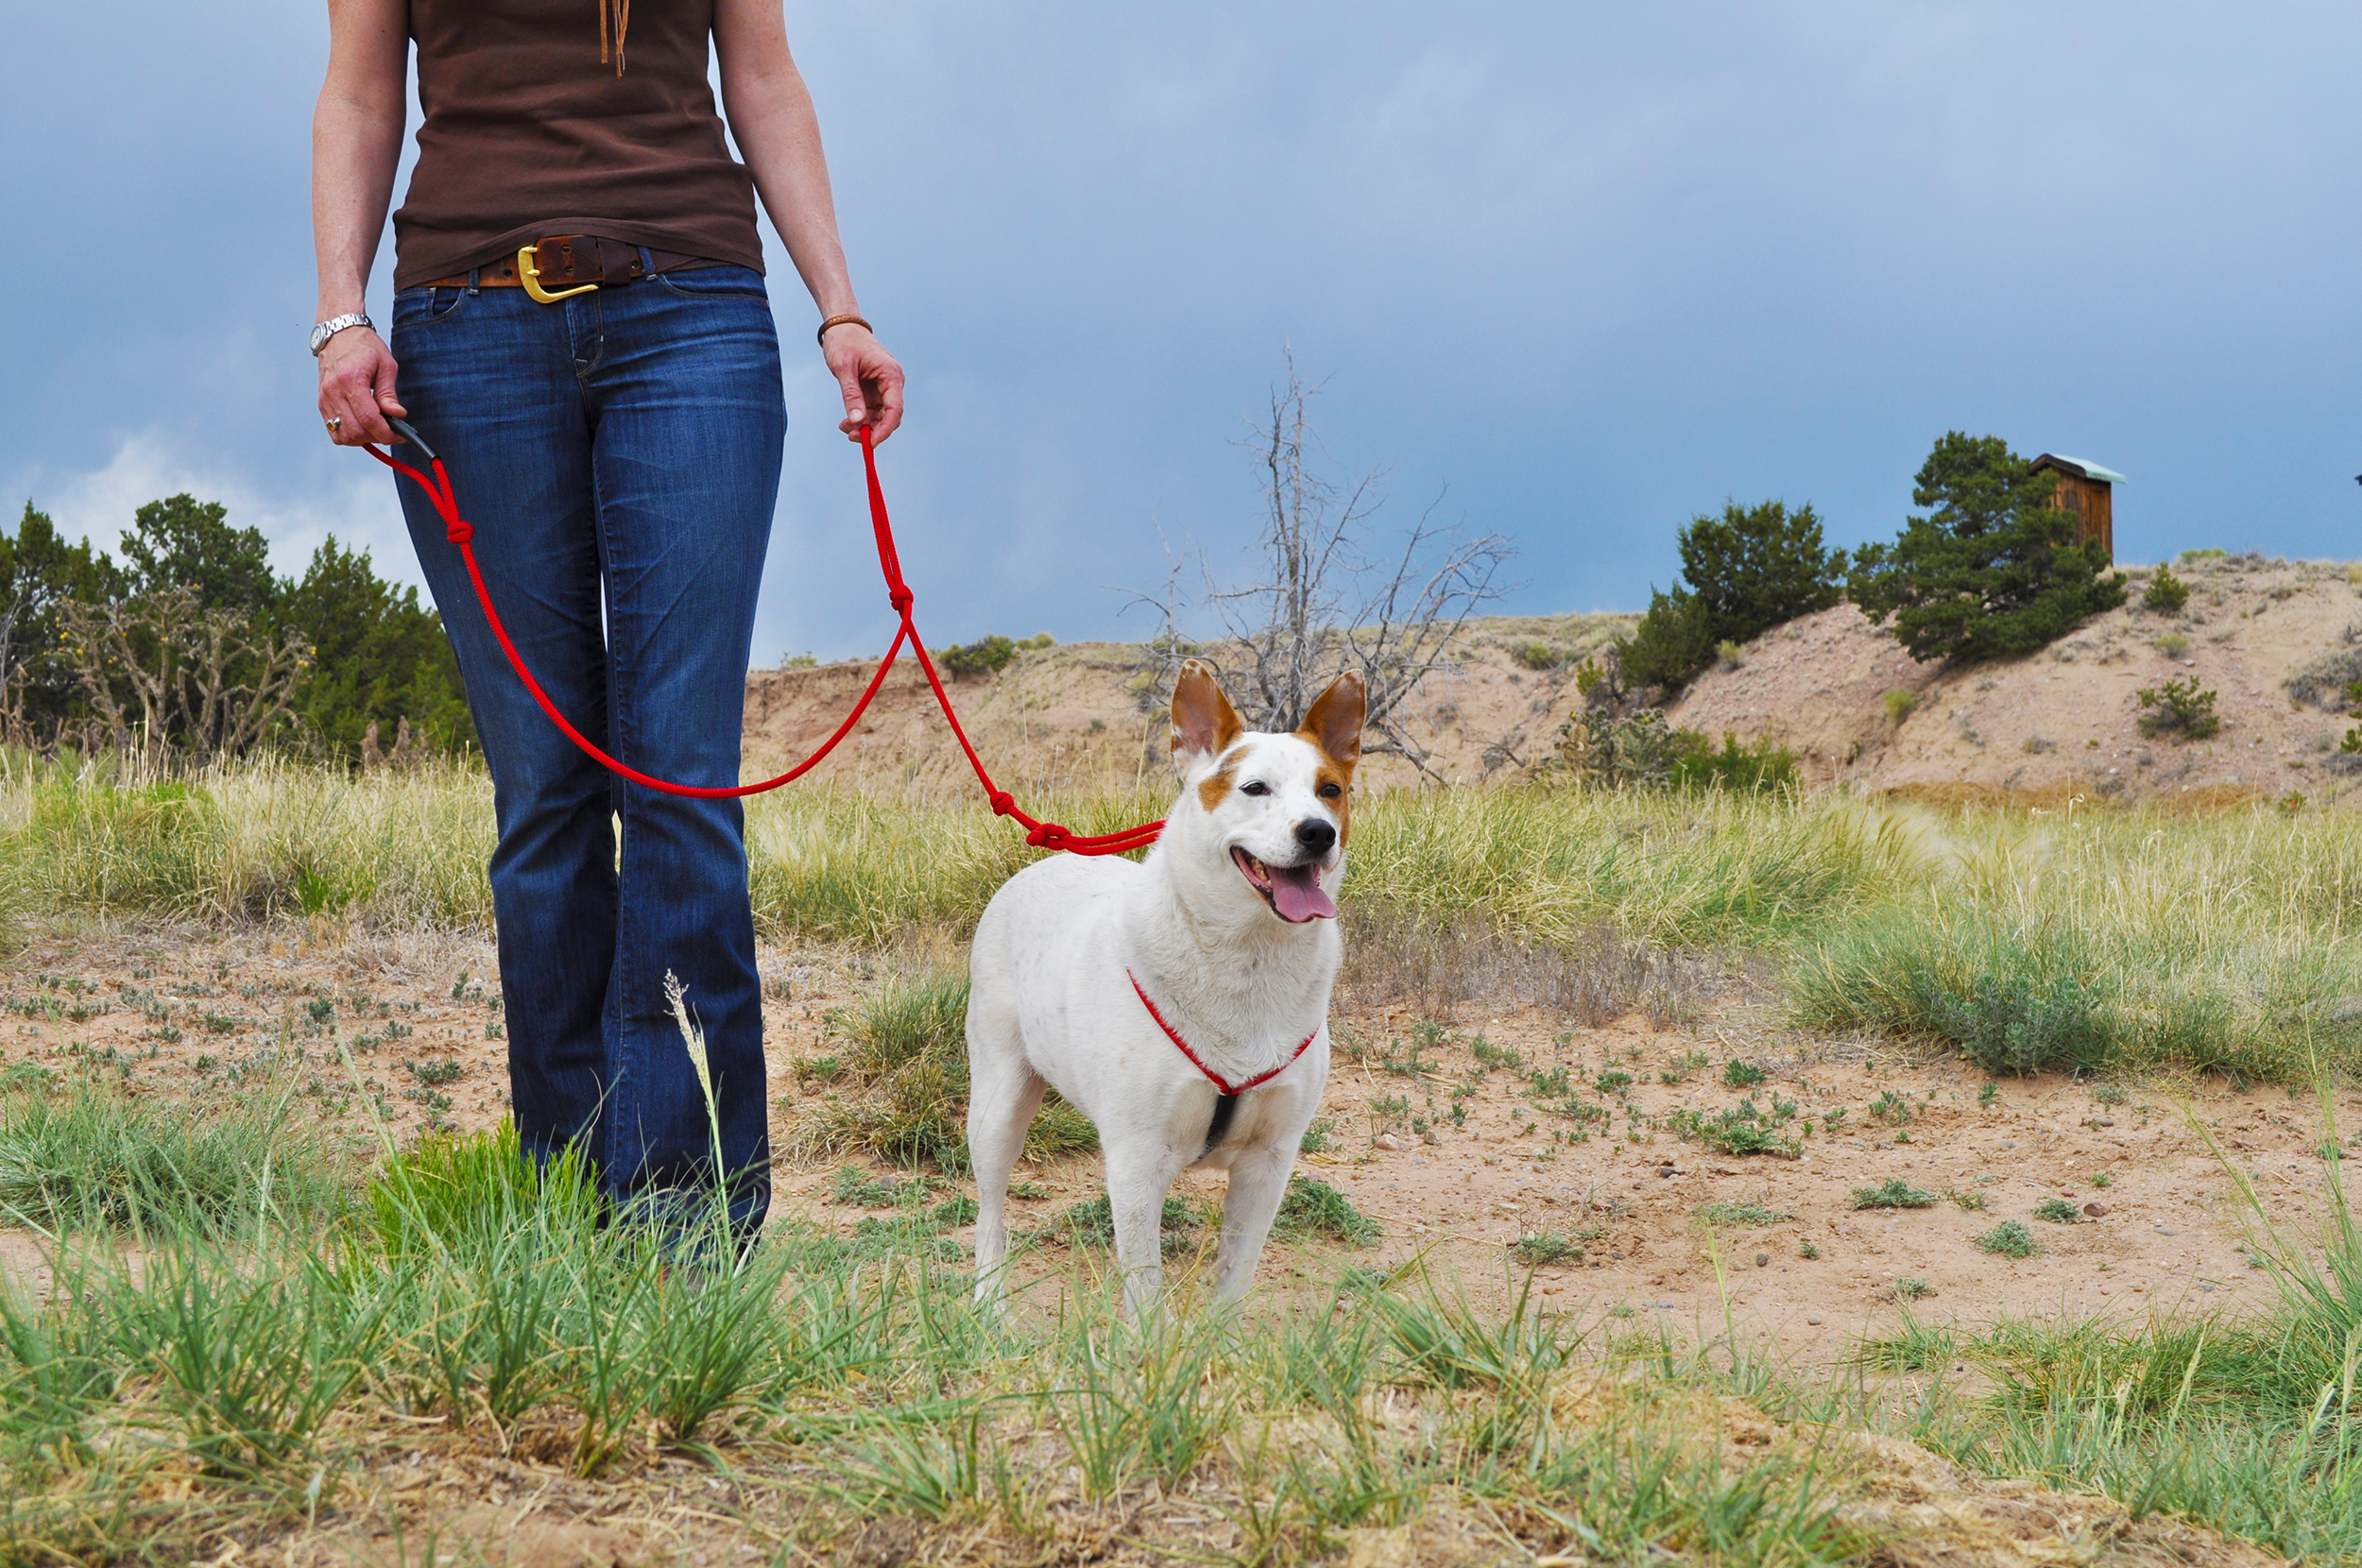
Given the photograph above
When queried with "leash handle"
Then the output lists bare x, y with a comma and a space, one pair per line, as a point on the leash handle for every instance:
1042, 835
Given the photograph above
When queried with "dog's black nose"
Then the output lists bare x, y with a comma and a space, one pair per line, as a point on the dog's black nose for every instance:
1316, 835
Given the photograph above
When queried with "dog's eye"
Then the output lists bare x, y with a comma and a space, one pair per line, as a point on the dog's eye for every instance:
1329, 791
1256, 787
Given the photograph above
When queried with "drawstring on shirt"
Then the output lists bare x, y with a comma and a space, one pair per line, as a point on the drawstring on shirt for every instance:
621, 12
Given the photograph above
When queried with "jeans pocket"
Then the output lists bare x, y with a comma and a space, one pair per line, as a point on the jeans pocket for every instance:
423, 307
714, 282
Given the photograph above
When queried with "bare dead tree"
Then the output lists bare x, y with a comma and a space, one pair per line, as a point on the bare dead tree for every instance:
1324, 606
216, 679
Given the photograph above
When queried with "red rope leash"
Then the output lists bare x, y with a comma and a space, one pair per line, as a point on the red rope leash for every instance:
1042, 835
1220, 1083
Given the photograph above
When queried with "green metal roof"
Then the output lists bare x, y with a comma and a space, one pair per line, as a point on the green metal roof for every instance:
2082, 469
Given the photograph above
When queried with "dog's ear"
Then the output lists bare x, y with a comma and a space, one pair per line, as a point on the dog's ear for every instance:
1204, 723
1334, 723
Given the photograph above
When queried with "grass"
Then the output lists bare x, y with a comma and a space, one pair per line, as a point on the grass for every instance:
2010, 1239
1743, 1129
85, 1157
2087, 939
1749, 1213
1893, 1193
470, 1305
2245, 1423
1544, 1248
2058, 1211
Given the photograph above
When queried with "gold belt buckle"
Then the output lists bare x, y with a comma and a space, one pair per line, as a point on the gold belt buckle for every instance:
530, 275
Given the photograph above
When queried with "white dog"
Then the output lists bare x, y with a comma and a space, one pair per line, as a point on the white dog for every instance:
1181, 1002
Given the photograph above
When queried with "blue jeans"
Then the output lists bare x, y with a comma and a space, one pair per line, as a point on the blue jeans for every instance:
619, 455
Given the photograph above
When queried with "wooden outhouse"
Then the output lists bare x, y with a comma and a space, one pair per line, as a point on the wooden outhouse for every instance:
2088, 491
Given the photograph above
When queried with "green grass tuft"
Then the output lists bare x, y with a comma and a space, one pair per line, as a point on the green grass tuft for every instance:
2010, 1239
1893, 1193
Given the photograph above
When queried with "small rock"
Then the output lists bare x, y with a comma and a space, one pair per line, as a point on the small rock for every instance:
1389, 1142
1763, 1260
2203, 1286
2103, 1122
1669, 1172
2009, 1143
2095, 1210
1813, 1318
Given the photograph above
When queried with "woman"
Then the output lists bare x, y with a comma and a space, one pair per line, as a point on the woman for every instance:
581, 332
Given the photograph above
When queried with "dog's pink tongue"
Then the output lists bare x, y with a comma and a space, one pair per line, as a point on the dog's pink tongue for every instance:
1297, 895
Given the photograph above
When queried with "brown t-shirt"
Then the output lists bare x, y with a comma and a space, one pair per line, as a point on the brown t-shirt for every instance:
527, 133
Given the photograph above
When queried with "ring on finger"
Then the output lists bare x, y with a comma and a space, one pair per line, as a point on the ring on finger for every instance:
335, 425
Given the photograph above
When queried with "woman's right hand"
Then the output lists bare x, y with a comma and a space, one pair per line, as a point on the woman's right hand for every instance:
357, 388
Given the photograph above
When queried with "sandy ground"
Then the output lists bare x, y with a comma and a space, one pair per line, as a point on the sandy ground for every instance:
195, 1014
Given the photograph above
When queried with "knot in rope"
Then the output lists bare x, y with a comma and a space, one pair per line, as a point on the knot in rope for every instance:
458, 529
901, 599
1002, 803
1049, 835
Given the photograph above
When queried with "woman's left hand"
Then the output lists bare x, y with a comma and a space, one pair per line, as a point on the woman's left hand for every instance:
870, 378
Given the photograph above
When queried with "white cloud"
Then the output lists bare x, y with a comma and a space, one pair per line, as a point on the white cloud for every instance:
357, 506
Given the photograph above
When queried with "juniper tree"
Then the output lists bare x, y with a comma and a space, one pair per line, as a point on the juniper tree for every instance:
1992, 570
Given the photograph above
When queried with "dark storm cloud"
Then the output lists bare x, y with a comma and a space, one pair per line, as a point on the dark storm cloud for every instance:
1594, 268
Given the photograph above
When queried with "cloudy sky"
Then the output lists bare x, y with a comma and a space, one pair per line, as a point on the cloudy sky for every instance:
1584, 270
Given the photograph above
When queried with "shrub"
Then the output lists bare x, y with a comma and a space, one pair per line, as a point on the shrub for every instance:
2189, 557
1743, 573
2174, 645
986, 656
1993, 570
2058, 1211
2010, 1239
1697, 765
2166, 593
1730, 655
2332, 680
1741, 1075
1600, 751
1539, 656
1899, 703
1893, 1193
2005, 1026
2179, 707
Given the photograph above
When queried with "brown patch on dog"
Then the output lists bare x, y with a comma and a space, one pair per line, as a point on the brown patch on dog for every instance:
1333, 726
1210, 794
1202, 719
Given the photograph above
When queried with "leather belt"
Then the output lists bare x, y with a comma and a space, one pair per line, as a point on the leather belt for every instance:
563, 261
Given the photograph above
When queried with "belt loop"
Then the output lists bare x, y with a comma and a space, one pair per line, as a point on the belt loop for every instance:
472, 286
647, 262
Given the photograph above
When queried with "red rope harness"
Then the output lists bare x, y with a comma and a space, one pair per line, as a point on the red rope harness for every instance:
1219, 1081
1042, 835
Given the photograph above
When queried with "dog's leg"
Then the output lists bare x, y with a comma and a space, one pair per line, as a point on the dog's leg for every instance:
1005, 1093
1137, 1180
1258, 1183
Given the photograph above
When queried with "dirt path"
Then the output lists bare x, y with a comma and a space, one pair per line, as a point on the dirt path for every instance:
1668, 1229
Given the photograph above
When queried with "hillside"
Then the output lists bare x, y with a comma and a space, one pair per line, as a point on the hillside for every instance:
2061, 722
2066, 718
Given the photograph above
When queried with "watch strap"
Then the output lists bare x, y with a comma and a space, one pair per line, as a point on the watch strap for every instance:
334, 324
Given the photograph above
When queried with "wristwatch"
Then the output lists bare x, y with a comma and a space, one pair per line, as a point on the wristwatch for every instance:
329, 328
